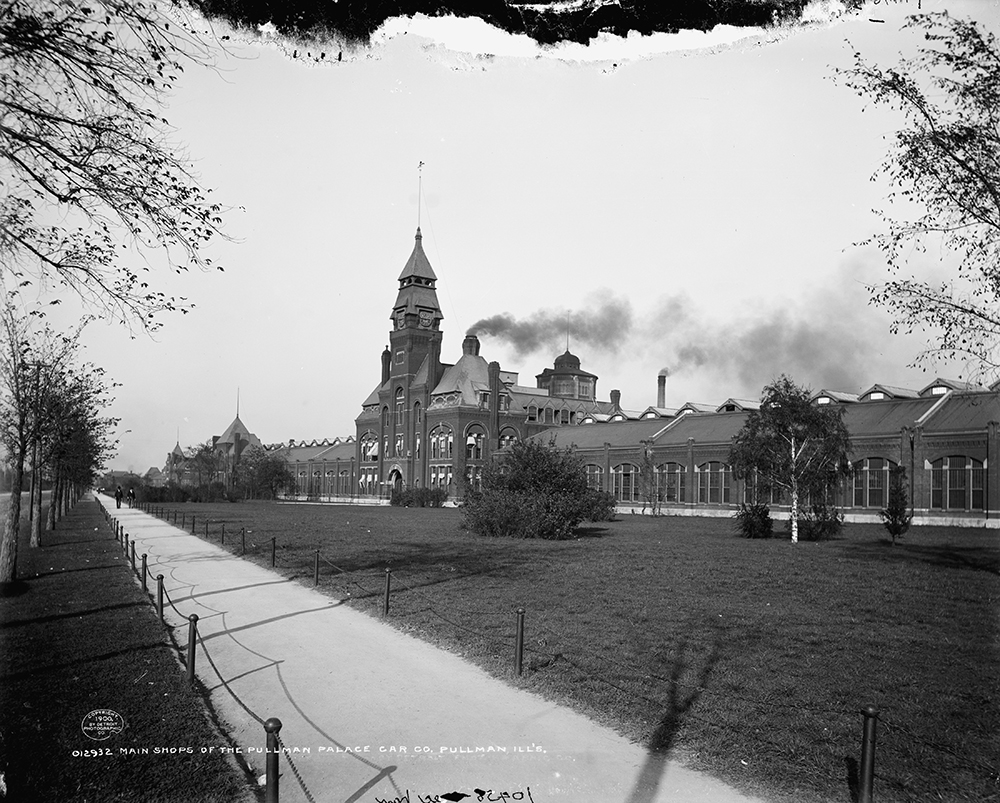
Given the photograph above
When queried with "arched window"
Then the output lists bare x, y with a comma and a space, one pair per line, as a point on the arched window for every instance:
532, 413
369, 447
385, 417
670, 482
625, 482
871, 481
474, 440
441, 439
417, 413
713, 483
957, 483
508, 437
595, 476
400, 406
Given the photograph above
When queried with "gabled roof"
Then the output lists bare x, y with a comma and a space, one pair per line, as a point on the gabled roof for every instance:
939, 386
237, 427
738, 405
839, 396
890, 392
697, 407
703, 427
658, 412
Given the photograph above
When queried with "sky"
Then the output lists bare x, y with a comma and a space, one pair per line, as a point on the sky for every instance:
685, 202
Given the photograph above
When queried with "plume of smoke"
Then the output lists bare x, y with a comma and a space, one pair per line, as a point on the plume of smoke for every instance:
606, 326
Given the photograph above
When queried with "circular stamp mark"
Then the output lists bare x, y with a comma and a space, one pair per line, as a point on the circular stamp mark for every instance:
102, 724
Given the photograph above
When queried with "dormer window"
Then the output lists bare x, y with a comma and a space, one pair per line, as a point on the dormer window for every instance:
876, 395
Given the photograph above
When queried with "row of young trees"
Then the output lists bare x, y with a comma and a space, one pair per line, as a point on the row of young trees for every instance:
53, 421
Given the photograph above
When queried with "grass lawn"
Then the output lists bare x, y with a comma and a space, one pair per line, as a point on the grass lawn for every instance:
78, 635
750, 659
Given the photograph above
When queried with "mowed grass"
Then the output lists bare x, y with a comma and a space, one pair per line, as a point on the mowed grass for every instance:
749, 659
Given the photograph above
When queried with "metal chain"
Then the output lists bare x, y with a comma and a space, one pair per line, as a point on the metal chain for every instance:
295, 770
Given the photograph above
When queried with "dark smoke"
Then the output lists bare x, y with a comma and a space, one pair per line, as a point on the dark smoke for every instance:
607, 327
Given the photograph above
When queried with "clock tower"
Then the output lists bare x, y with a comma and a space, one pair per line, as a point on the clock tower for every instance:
416, 315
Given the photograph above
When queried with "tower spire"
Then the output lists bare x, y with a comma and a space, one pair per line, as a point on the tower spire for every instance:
237, 401
420, 185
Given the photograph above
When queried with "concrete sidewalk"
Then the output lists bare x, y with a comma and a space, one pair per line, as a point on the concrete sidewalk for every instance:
370, 714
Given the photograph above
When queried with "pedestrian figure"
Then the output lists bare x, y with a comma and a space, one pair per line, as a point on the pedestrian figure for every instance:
118, 496
131, 497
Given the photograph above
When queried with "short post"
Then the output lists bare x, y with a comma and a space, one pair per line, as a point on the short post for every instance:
145, 586
272, 726
125, 543
192, 638
243, 538
519, 642
159, 597
316, 570
223, 540
867, 775
388, 583
133, 557
183, 520
273, 547
192, 525
206, 530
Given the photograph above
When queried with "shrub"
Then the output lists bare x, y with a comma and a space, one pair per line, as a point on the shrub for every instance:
896, 516
818, 522
754, 521
419, 497
537, 491
601, 505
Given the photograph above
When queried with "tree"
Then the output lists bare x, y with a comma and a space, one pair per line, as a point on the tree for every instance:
792, 444
946, 162
896, 516
535, 491
42, 394
91, 184
203, 461
263, 473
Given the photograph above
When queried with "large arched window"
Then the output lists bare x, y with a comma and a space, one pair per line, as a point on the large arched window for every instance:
670, 482
385, 417
595, 476
871, 481
369, 447
713, 483
957, 483
442, 441
474, 439
625, 482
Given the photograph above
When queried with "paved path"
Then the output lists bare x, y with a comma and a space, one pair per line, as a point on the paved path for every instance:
371, 714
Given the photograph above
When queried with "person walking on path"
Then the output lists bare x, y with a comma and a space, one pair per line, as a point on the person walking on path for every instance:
131, 497
118, 497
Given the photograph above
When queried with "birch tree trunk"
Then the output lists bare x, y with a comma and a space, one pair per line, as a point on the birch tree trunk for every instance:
12, 527
795, 498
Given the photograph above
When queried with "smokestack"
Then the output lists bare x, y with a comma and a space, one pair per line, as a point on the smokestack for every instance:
661, 390
616, 399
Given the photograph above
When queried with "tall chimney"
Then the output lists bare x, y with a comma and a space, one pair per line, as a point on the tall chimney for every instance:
616, 399
661, 391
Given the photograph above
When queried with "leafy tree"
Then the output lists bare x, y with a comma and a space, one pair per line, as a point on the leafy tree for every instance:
90, 183
203, 461
792, 444
43, 395
945, 163
262, 474
535, 491
896, 516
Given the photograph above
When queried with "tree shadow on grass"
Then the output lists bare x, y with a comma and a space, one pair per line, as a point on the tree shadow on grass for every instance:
949, 556
680, 699
590, 532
